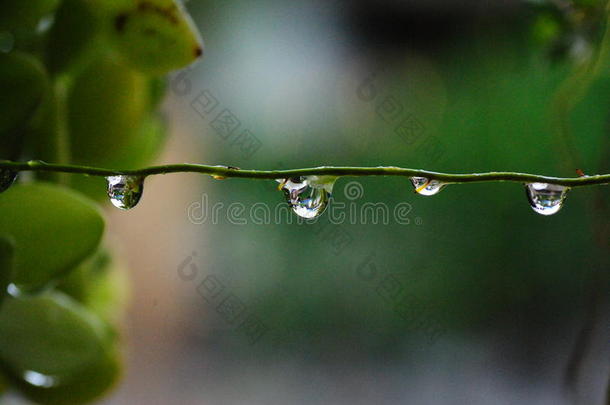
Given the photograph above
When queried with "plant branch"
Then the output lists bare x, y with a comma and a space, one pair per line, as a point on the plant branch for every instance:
228, 172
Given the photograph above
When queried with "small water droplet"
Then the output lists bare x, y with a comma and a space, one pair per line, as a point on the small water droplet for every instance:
40, 380
545, 199
220, 176
125, 191
7, 178
14, 291
308, 196
45, 24
425, 186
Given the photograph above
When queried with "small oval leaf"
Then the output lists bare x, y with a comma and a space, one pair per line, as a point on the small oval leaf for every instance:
23, 81
70, 39
53, 228
49, 334
55, 351
106, 104
100, 284
154, 36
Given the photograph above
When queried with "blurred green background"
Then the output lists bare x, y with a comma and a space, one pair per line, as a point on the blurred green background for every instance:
505, 289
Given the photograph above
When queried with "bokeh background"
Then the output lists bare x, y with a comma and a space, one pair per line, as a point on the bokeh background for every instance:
476, 300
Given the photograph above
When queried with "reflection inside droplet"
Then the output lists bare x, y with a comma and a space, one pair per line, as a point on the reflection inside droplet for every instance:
125, 191
308, 196
425, 186
39, 380
545, 199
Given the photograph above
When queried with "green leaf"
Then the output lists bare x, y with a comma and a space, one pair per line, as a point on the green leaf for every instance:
158, 88
24, 14
139, 149
100, 284
55, 350
153, 36
23, 81
45, 133
6, 265
88, 385
54, 229
106, 105
49, 334
109, 121
70, 39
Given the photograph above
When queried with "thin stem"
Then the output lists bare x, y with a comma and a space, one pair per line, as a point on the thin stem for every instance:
227, 172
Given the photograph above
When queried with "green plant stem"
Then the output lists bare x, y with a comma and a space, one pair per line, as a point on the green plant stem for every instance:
229, 172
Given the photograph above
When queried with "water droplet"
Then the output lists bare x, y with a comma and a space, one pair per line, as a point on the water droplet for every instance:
545, 199
7, 178
425, 186
125, 191
14, 291
220, 176
24, 291
40, 380
45, 24
308, 196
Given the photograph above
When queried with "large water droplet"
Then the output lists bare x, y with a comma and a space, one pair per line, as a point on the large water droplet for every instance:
125, 191
7, 178
308, 196
425, 186
545, 199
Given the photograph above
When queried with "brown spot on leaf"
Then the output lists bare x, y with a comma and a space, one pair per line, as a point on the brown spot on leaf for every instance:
168, 13
198, 51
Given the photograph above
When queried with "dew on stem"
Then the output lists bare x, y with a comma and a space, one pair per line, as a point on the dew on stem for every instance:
308, 196
125, 191
427, 187
545, 199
